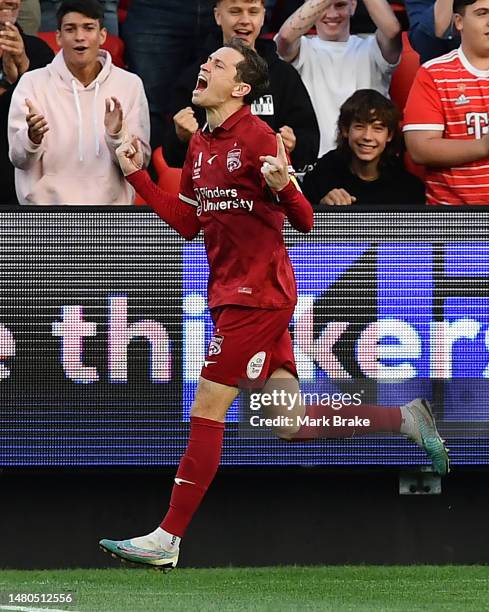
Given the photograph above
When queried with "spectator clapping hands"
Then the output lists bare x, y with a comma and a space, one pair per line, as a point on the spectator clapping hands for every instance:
36, 123
14, 59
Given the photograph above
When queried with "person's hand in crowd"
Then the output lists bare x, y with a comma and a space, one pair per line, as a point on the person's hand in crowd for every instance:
276, 169
36, 122
113, 116
288, 137
14, 59
130, 156
185, 124
338, 197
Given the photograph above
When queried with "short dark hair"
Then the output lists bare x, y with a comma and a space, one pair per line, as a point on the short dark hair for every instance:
367, 106
252, 70
89, 8
459, 5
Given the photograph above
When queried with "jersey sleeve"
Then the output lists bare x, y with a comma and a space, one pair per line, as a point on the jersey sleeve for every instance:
167, 206
424, 110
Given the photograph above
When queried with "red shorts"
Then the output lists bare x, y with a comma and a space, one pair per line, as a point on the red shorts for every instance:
248, 345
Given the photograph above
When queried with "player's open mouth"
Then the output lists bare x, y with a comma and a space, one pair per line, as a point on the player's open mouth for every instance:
80, 49
242, 33
201, 83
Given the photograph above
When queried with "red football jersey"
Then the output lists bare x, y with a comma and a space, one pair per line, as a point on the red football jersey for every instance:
241, 219
451, 96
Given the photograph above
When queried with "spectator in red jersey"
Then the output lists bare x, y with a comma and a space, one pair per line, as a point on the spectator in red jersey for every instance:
367, 166
446, 120
236, 187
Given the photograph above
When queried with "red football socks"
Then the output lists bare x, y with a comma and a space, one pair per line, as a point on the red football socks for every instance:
195, 473
325, 422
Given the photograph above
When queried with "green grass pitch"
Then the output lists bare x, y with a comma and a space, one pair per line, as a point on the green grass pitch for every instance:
281, 589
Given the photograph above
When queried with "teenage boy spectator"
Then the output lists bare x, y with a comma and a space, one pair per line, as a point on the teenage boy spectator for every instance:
446, 120
334, 63
49, 21
18, 54
431, 32
67, 120
366, 167
285, 106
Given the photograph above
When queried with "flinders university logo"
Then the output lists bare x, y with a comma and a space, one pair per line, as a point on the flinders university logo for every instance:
234, 160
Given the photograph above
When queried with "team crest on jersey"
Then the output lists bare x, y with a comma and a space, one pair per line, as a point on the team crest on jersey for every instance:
234, 160
215, 345
255, 365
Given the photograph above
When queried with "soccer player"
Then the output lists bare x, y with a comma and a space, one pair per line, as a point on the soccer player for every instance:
286, 105
237, 188
446, 117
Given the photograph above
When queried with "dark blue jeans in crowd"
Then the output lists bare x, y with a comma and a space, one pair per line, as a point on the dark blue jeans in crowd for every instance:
163, 37
50, 24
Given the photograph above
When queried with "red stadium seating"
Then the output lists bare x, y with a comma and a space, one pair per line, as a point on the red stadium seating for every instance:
122, 10
168, 178
114, 45
404, 74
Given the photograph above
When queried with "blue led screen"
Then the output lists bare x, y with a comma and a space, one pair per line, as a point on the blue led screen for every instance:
104, 328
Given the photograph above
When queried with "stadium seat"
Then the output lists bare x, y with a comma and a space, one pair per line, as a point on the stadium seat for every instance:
122, 10
404, 74
168, 178
114, 45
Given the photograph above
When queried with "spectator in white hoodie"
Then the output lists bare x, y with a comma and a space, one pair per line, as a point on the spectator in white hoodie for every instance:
67, 120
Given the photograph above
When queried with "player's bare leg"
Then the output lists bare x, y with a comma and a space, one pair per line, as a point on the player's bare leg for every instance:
197, 469
414, 420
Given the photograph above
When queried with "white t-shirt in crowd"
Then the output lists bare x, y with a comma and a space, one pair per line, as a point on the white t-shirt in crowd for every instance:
333, 71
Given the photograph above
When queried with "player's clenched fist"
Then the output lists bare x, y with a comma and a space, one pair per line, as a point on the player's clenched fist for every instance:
338, 197
276, 169
130, 156
36, 123
185, 124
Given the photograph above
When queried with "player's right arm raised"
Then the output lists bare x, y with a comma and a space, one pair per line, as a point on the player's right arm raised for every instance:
181, 217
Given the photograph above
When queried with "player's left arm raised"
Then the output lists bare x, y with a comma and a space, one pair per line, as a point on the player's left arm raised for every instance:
275, 170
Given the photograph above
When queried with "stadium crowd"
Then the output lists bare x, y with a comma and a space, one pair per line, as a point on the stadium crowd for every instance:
63, 116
